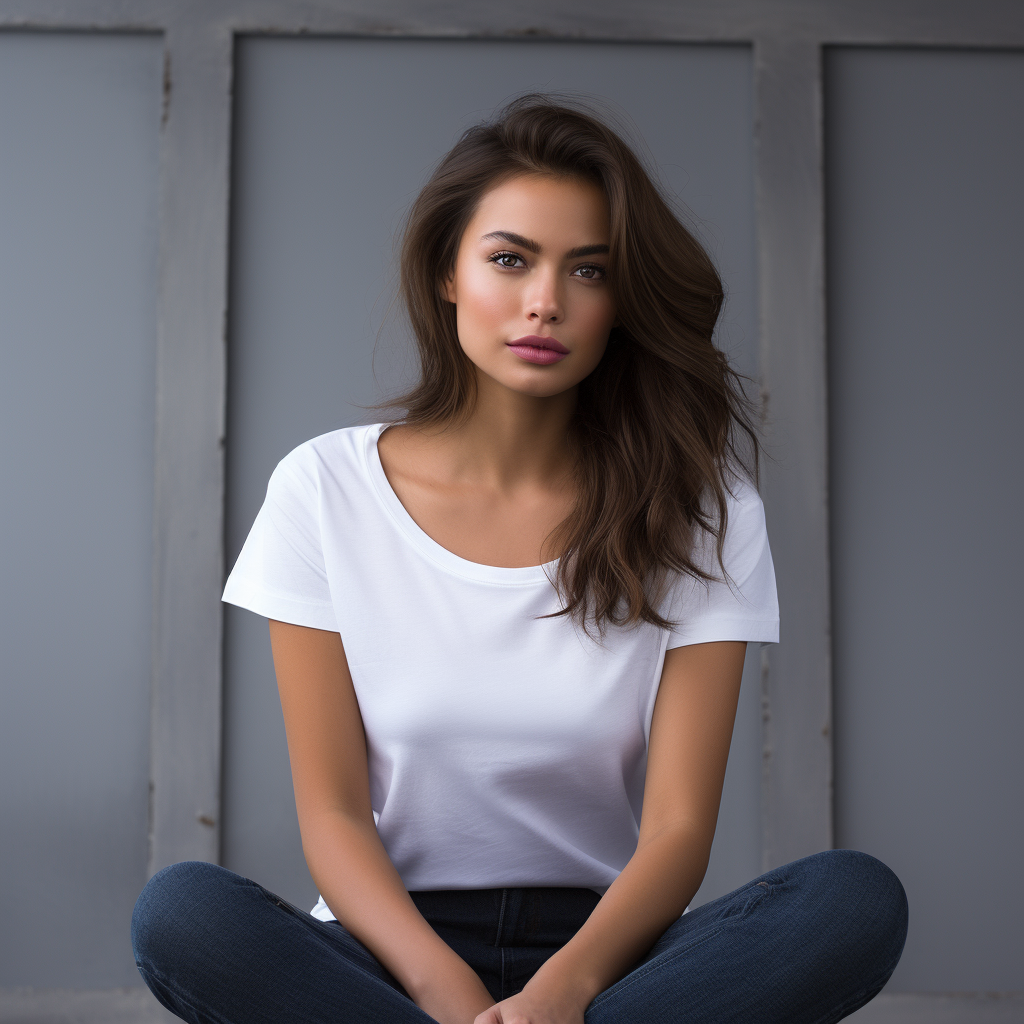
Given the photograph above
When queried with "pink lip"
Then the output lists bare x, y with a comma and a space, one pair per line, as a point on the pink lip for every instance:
536, 341
535, 349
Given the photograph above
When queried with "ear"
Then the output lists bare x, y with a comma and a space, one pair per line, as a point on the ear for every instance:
448, 288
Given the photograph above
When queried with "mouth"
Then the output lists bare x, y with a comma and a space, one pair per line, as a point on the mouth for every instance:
538, 350
536, 341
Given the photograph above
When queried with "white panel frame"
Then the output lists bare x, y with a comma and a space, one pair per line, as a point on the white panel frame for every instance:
788, 37
185, 754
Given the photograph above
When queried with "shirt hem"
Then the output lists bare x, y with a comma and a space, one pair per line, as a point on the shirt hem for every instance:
283, 609
750, 630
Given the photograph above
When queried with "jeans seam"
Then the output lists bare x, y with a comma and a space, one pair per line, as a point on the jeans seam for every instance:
286, 907
276, 901
501, 917
767, 893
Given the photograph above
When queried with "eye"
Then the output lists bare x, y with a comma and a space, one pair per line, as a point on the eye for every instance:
505, 259
591, 272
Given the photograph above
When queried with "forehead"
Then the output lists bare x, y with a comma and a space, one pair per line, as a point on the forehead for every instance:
543, 205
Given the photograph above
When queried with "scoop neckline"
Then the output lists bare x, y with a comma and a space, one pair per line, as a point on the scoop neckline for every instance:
426, 545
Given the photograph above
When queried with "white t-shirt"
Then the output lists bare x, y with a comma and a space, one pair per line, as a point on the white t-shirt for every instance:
504, 750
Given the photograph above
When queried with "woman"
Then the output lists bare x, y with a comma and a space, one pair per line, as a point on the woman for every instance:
508, 632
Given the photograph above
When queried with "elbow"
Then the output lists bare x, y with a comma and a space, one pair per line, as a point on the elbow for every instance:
695, 835
688, 844
322, 829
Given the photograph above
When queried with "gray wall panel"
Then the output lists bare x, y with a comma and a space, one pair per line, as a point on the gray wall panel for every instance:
79, 120
334, 137
926, 216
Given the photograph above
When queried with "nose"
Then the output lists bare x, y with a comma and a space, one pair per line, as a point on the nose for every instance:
544, 302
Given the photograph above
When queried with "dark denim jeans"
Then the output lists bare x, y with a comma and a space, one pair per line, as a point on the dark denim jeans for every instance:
807, 943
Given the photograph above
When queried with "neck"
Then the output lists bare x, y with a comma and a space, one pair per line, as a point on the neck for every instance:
510, 440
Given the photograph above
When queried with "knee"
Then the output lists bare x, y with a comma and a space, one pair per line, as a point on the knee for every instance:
867, 896
172, 908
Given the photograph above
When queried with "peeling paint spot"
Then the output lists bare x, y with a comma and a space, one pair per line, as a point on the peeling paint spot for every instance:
165, 107
205, 819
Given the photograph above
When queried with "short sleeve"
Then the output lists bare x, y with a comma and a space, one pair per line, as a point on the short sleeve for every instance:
743, 607
280, 571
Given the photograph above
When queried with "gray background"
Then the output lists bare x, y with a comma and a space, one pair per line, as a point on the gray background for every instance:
924, 161
79, 119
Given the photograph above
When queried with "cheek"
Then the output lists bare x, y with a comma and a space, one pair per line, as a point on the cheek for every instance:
597, 315
482, 297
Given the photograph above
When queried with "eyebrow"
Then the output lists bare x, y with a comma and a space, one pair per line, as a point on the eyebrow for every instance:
534, 247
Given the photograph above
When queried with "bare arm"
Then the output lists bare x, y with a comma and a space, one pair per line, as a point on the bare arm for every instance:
689, 745
348, 862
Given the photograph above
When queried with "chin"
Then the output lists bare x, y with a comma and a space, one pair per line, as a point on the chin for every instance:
543, 389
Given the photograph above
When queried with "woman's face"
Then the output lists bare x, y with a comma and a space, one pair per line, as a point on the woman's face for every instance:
532, 268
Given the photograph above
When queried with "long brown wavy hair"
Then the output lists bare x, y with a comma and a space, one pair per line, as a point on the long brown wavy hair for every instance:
655, 431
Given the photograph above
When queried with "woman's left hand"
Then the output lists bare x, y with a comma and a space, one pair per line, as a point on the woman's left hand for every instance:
535, 1005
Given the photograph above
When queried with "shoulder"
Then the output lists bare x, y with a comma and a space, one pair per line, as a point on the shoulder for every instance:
744, 507
745, 540
744, 510
742, 604
337, 452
